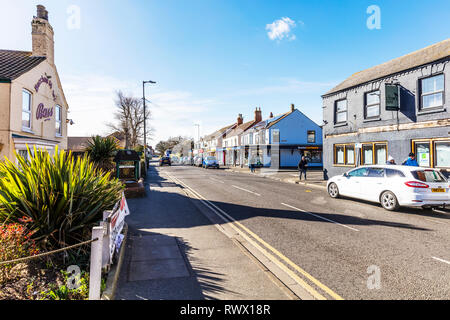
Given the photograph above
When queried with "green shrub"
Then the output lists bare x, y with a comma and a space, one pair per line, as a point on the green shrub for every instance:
63, 197
101, 151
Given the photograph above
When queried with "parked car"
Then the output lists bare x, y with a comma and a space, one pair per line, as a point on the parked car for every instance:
210, 162
165, 160
393, 186
198, 162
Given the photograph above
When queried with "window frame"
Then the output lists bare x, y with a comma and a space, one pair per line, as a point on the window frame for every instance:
433, 152
421, 95
29, 112
311, 132
336, 112
345, 146
366, 105
58, 134
385, 143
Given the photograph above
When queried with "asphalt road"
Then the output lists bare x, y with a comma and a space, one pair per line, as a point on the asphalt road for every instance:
355, 248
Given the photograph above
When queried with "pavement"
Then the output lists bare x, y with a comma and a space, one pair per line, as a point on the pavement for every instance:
332, 248
176, 252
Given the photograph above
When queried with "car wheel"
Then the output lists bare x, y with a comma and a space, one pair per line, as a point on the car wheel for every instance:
333, 190
389, 201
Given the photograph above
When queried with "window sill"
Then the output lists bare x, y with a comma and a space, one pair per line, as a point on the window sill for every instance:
337, 125
431, 110
371, 120
27, 130
58, 136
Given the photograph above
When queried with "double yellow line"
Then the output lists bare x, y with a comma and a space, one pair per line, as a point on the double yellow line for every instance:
262, 246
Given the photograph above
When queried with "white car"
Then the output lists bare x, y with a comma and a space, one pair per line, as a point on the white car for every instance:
393, 186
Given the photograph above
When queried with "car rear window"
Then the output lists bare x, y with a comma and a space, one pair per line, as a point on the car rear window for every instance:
428, 176
391, 173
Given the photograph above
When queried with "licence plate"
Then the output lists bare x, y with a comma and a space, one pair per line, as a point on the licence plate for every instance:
438, 190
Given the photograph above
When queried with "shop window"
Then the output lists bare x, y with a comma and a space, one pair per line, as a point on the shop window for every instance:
380, 154
26, 109
58, 122
372, 104
311, 137
367, 154
442, 154
423, 154
344, 154
374, 153
339, 155
340, 112
432, 92
350, 155
432, 153
313, 156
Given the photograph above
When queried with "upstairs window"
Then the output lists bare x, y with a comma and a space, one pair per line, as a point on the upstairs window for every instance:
432, 92
311, 137
26, 109
58, 121
372, 104
341, 112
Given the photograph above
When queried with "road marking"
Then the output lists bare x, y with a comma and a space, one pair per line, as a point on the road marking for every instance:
216, 180
257, 194
441, 260
231, 221
319, 217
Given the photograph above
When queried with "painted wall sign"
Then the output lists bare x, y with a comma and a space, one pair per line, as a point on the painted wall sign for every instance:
45, 79
43, 112
41, 81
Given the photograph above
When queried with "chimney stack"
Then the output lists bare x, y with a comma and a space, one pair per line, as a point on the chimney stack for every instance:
240, 120
258, 115
292, 107
42, 35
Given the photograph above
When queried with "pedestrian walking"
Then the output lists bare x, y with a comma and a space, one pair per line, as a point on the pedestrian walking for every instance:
302, 167
251, 164
411, 161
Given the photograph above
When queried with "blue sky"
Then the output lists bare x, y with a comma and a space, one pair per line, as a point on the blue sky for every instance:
214, 59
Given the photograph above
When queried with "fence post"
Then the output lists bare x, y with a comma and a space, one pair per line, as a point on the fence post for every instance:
95, 277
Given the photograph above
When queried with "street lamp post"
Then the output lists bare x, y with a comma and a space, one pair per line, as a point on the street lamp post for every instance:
145, 121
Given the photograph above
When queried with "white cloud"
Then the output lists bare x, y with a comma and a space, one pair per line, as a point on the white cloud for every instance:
281, 29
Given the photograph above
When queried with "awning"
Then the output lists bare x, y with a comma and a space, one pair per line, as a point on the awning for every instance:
21, 143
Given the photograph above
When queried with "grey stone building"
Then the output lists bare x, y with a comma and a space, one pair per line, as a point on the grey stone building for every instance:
392, 109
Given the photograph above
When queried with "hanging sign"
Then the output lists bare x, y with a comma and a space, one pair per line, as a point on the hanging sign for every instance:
392, 97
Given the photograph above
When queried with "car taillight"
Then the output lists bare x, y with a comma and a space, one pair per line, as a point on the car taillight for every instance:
416, 184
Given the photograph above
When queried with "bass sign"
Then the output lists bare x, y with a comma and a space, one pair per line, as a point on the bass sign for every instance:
43, 113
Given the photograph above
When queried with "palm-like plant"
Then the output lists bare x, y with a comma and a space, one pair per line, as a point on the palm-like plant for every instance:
101, 151
61, 197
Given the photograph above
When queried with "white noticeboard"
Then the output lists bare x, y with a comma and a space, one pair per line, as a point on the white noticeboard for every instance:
116, 223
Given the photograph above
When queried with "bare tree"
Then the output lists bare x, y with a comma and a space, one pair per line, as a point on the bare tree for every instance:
130, 119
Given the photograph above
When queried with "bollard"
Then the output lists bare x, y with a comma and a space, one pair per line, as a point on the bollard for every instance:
95, 278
